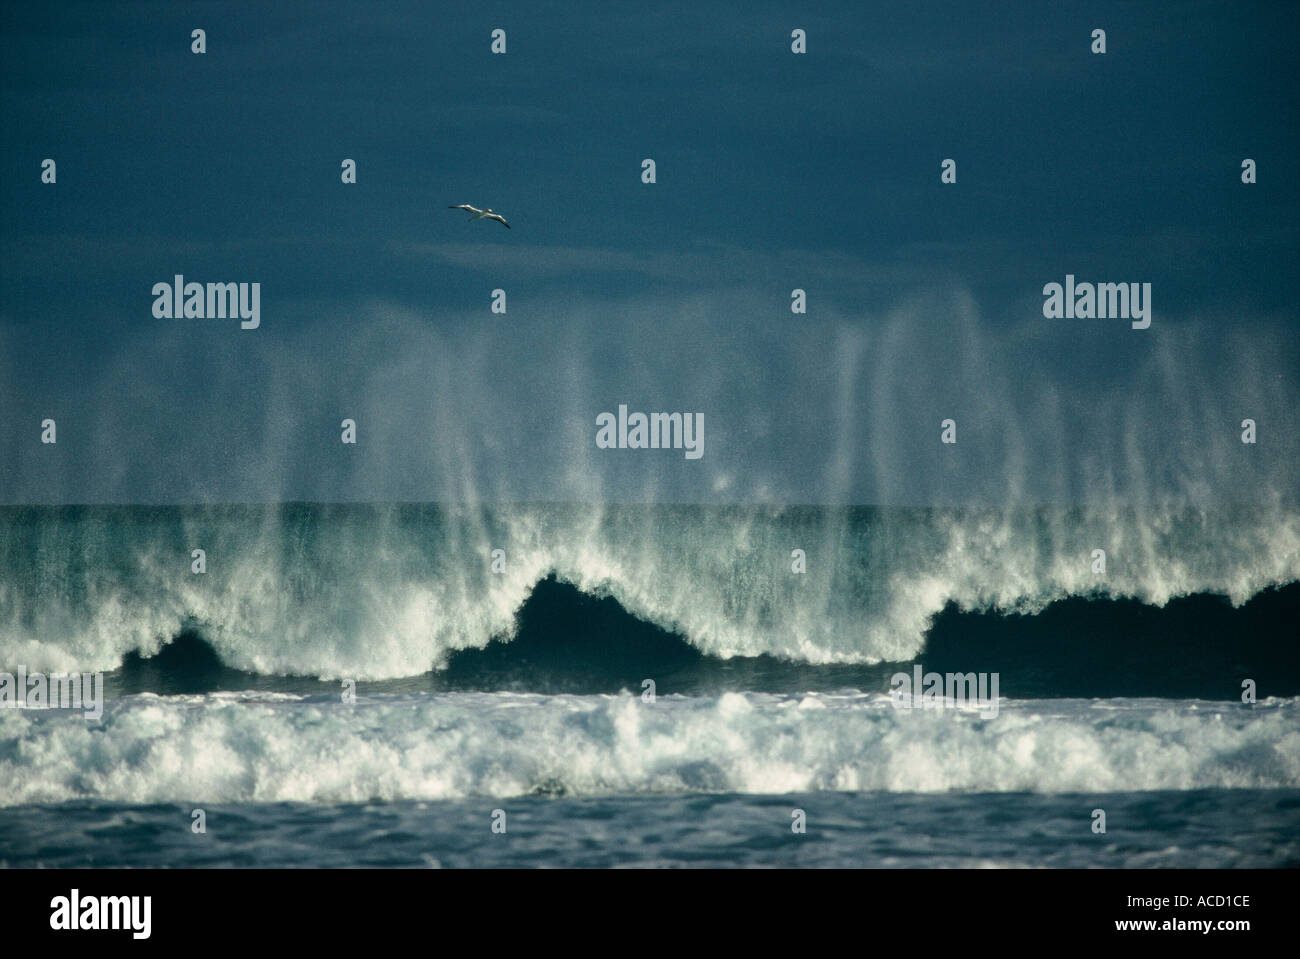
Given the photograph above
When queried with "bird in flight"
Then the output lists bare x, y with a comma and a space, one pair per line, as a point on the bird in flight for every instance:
480, 214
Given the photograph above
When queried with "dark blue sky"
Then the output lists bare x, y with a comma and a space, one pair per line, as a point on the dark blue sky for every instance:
775, 171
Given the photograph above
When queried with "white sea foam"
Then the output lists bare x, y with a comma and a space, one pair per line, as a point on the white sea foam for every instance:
228, 749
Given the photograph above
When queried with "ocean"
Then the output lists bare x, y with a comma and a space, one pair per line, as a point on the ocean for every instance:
572, 685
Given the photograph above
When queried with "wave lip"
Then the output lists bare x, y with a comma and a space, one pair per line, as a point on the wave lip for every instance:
275, 748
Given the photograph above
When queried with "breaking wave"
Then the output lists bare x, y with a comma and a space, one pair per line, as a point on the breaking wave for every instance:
376, 592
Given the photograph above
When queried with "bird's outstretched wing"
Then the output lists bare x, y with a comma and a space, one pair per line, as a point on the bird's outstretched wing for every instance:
464, 206
498, 217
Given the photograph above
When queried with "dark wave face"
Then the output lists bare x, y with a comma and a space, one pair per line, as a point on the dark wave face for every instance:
570, 642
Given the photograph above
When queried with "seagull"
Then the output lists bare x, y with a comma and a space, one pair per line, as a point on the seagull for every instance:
480, 214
